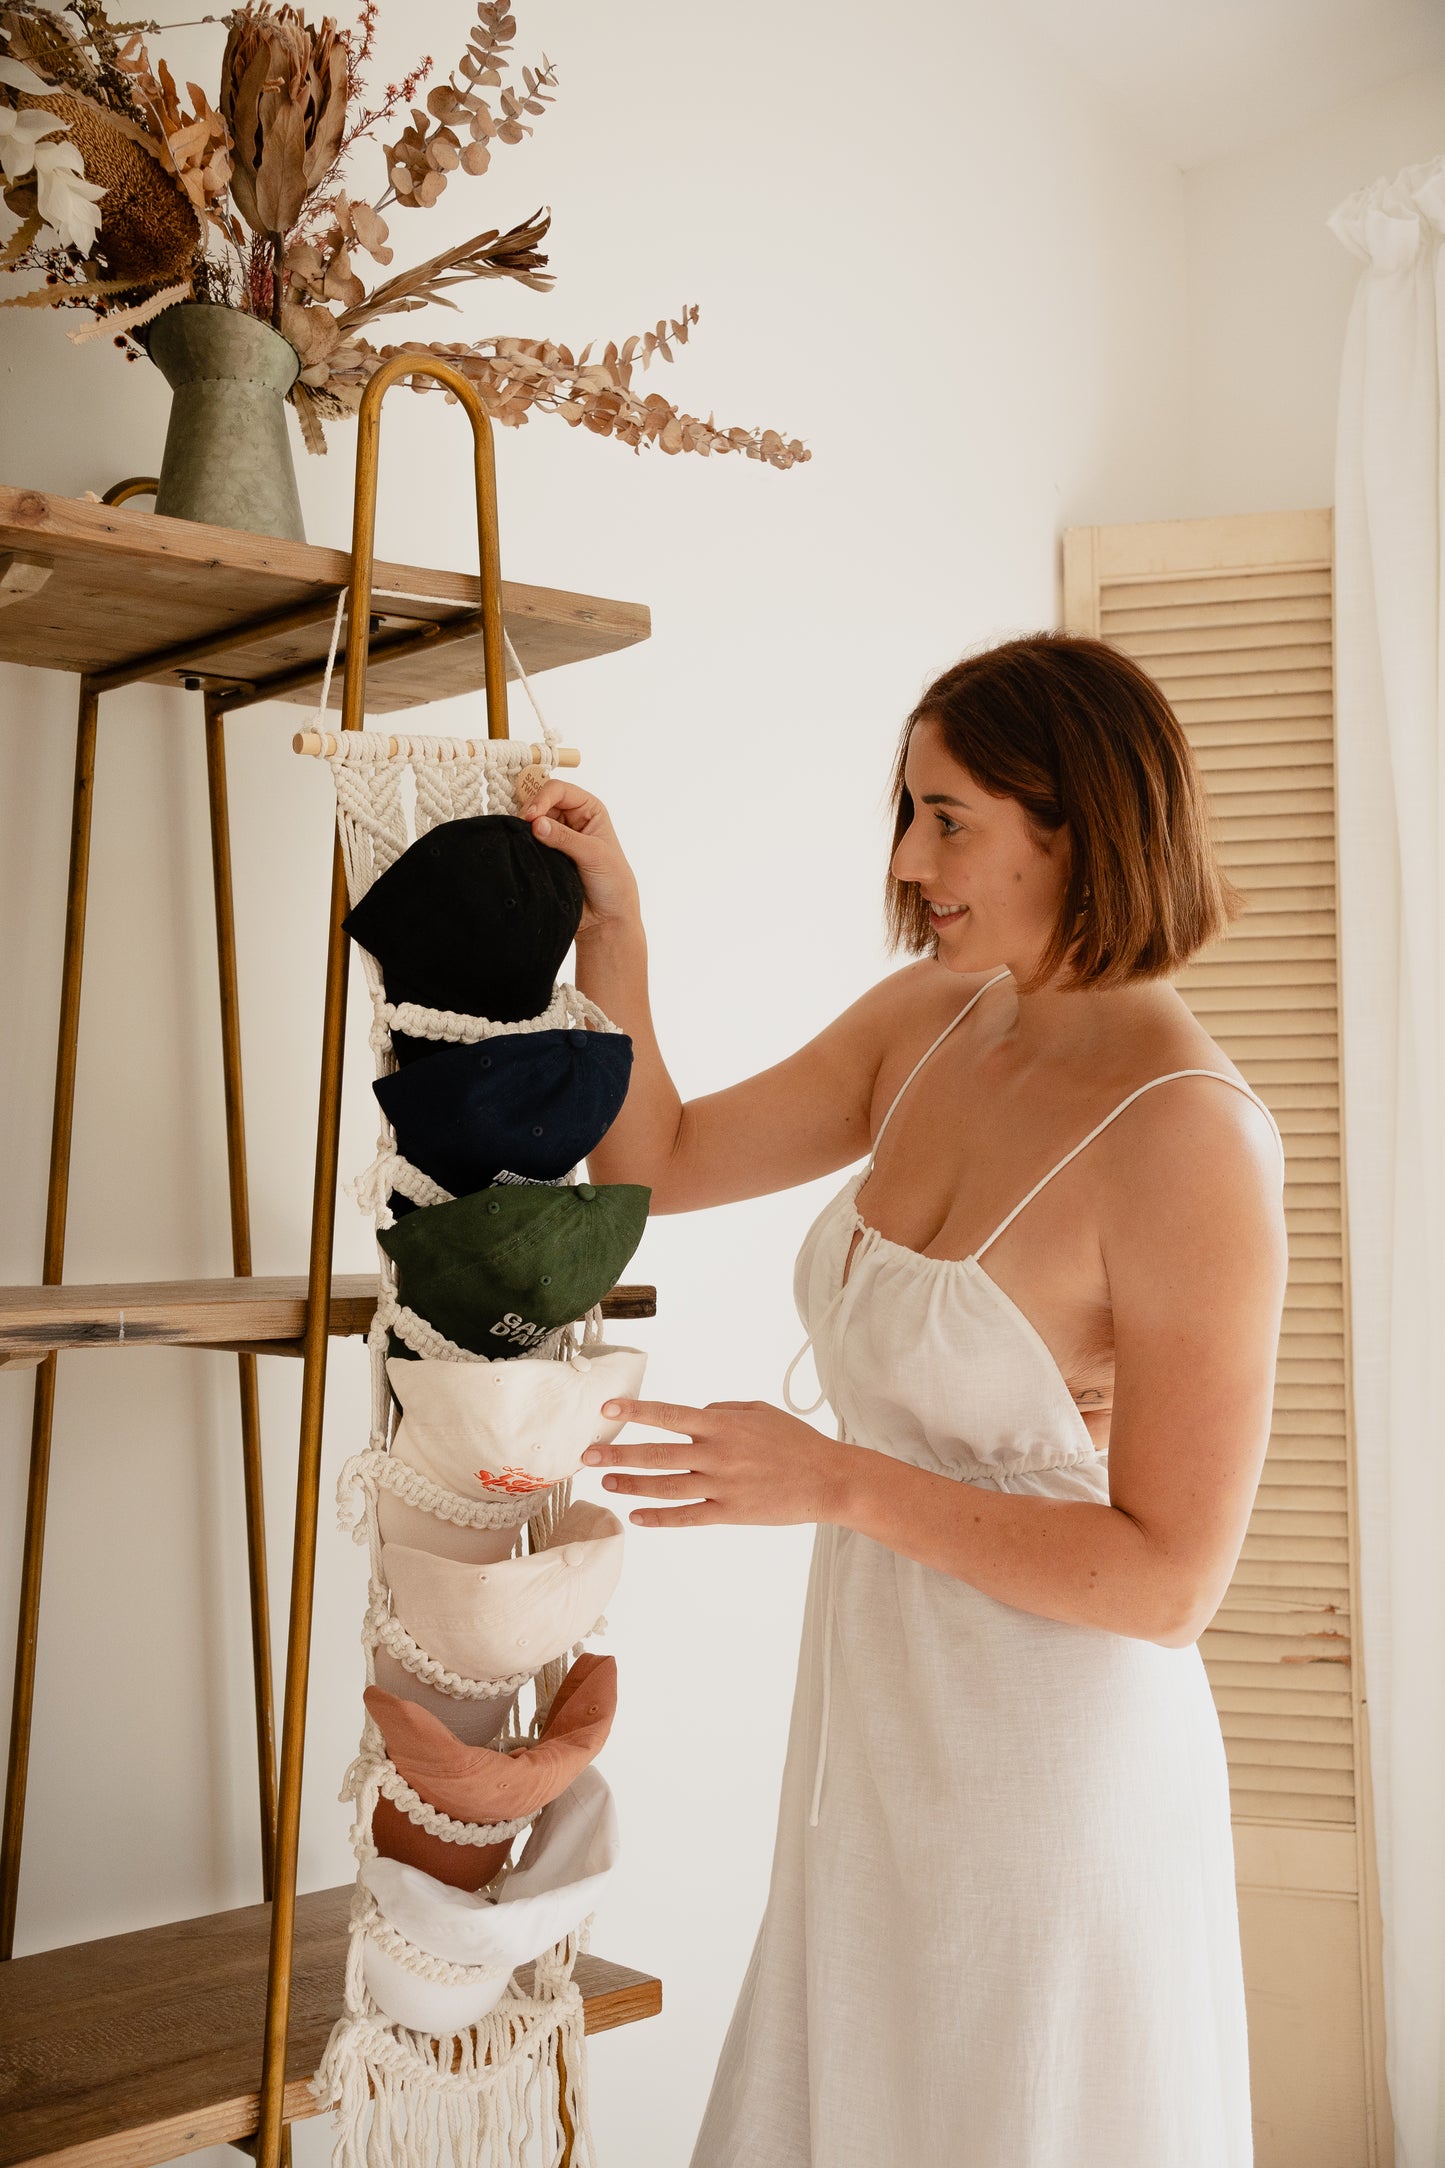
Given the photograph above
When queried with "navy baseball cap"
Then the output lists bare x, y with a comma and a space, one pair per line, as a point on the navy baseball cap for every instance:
533, 1102
475, 916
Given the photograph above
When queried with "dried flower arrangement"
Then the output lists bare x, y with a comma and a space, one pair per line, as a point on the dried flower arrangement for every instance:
129, 200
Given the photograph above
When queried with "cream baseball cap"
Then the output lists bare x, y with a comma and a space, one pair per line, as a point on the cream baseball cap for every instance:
502, 1429
490, 1622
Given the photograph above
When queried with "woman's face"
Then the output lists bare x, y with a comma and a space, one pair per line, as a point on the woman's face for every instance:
992, 888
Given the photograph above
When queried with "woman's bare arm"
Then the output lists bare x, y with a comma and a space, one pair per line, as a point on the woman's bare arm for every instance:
1194, 1247
804, 1117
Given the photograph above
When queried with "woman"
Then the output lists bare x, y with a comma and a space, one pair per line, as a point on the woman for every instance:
1001, 1930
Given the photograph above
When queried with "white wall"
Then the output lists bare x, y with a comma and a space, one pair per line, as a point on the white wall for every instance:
958, 277
1269, 293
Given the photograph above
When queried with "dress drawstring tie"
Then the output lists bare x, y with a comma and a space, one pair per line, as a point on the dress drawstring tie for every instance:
830, 1539
829, 1606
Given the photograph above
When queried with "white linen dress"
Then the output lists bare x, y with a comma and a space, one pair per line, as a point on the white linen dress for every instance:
1001, 1930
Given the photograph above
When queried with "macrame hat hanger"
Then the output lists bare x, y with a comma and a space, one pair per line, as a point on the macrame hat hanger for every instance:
441, 2055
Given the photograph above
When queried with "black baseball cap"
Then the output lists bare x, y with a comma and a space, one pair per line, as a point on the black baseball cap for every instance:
475, 916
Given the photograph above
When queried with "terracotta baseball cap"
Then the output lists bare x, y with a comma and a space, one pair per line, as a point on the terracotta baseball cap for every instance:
497, 1271
482, 1784
533, 1102
479, 1784
475, 916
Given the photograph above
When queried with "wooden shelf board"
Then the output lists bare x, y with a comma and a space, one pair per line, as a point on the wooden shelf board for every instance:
125, 584
121, 2053
263, 1314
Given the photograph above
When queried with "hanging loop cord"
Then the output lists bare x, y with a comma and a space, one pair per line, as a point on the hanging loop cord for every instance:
549, 736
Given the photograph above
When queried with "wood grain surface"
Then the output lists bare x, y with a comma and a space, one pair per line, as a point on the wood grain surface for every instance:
120, 2053
265, 1314
125, 584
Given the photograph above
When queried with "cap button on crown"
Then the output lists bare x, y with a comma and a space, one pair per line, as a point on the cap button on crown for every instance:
586, 1190
573, 1553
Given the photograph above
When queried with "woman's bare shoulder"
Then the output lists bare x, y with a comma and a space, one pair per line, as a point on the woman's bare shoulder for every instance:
1197, 1110
880, 1037
919, 998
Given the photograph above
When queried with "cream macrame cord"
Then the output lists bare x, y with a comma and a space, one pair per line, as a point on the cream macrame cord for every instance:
487, 2097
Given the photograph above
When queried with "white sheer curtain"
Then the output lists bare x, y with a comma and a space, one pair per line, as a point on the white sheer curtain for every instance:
1388, 497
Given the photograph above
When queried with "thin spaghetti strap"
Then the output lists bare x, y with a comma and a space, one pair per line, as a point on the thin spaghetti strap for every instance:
1118, 1110
924, 1057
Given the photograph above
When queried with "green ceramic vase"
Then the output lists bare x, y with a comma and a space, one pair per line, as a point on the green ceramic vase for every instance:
228, 451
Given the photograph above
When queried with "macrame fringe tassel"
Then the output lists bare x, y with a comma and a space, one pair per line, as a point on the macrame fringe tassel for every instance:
489, 2098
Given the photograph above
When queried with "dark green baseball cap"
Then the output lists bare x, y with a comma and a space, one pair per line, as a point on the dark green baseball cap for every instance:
500, 1269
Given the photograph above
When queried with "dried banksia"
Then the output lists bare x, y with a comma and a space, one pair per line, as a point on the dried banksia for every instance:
283, 97
149, 232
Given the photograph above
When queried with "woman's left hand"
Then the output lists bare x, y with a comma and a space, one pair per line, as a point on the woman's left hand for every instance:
743, 1461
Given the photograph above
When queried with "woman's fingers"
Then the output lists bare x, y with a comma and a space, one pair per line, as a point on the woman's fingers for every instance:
690, 1485
572, 821
568, 805
571, 842
658, 1415
649, 1453
556, 791
698, 1516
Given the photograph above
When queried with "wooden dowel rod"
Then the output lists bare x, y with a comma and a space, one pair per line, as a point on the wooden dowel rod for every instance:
324, 744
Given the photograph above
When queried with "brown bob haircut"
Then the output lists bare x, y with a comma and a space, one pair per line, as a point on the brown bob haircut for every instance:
1083, 739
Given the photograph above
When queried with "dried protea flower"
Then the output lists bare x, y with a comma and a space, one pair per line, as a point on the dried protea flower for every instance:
283, 96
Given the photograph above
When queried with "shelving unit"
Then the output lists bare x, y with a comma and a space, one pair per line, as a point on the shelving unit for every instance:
253, 1316
118, 2053
133, 2049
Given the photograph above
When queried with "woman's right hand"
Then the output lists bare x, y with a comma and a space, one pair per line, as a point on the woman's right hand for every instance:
570, 820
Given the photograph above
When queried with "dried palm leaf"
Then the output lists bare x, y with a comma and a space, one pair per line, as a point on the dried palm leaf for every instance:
128, 319
20, 240
312, 408
493, 255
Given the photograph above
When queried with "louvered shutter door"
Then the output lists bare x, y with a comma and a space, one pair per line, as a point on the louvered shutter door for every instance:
1233, 618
